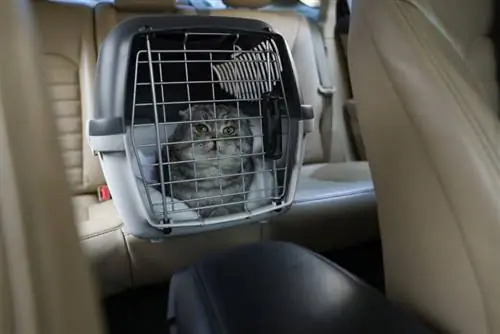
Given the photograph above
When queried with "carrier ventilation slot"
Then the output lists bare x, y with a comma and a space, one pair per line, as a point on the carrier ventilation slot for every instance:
251, 73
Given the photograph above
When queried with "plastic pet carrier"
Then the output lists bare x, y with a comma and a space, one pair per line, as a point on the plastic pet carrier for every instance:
199, 123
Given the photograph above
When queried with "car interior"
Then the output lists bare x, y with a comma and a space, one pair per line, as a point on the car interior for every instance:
394, 222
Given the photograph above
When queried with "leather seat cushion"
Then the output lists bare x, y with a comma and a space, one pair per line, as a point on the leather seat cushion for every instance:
274, 287
334, 206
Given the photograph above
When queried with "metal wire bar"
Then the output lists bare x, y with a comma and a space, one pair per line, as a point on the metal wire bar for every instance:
211, 206
250, 73
206, 159
213, 81
226, 195
239, 116
207, 51
158, 141
132, 133
206, 178
194, 141
263, 153
203, 61
207, 121
189, 102
222, 195
208, 206
188, 91
245, 192
164, 130
214, 106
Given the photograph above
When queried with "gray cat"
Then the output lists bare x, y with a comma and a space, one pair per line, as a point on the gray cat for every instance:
213, 158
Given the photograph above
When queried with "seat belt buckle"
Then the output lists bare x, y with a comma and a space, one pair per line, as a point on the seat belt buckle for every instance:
326, 91
103, 193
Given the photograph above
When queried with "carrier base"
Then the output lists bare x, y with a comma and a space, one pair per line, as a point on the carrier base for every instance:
275, 287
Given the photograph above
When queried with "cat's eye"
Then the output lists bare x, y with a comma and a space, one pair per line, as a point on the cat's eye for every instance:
229, 130
200, 128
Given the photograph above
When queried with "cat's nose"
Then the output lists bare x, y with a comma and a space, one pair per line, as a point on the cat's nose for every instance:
214, 145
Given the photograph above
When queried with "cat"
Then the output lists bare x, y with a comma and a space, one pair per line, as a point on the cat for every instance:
213, 153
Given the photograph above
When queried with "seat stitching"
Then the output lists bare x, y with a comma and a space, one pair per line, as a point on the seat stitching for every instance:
82, 112
96, 234
434, 168
129, 257
410, 118
484, 144
481, 82
297, 30
463, 104
343, 195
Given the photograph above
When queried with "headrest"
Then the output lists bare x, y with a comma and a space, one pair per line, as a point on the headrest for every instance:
247, 3
145, 5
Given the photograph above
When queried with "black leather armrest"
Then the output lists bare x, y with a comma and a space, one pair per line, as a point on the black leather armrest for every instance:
275, 288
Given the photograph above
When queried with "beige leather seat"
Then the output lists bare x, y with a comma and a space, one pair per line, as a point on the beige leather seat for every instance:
69, 56
66, 34
44, 277
423, 74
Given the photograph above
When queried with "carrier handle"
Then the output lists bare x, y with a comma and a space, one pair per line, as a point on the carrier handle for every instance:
106, 135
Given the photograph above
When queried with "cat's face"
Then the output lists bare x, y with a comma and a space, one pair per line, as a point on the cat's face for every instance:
211, 139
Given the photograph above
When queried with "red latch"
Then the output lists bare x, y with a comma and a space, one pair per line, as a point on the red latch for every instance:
103, 193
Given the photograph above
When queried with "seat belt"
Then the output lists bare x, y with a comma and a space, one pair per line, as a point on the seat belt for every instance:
337, 149
326, 88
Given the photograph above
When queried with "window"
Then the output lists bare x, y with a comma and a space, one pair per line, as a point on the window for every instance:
90, 2
203, 4
311, 3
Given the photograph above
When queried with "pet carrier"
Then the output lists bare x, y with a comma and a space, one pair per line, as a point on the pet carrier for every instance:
199, 123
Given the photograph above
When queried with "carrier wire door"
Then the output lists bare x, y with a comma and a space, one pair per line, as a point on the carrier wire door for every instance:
212, 127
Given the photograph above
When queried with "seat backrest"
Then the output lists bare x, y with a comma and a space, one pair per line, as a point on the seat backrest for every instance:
292, 26
69, 56
423, 76
42, 268
109, 14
